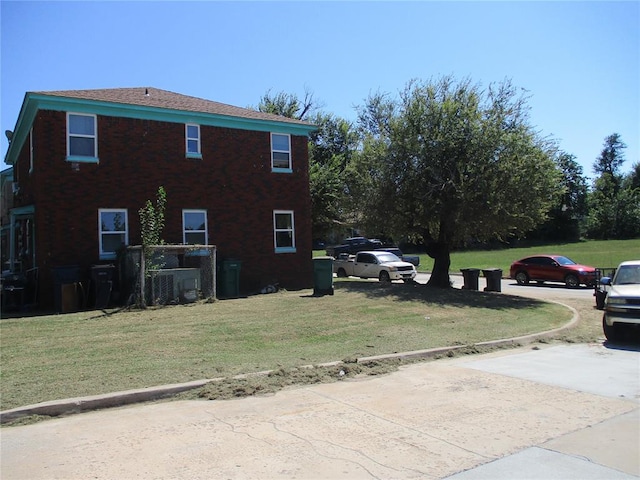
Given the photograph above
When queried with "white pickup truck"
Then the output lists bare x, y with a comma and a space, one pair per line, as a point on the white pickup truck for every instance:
384, 266
622, 305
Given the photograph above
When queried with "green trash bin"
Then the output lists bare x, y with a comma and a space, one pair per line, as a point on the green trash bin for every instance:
230, 281
323, 276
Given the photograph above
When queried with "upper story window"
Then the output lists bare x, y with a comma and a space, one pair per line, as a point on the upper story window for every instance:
82, 137
113, 231
284, 231
280, 152
192, 133
194, 227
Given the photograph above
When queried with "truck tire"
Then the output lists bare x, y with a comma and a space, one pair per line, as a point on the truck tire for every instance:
341, 273
613, 332
384, 277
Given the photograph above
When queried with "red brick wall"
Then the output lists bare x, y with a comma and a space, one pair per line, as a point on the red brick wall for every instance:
233, 181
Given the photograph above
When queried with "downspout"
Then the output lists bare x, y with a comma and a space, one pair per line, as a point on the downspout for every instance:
12, 241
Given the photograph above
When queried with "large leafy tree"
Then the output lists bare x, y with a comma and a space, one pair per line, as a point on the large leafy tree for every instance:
614, 202
634, 176
567, 214
612, 156
288, 104
331, 148
448, 163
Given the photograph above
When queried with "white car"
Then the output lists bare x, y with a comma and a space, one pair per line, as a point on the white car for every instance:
622, 305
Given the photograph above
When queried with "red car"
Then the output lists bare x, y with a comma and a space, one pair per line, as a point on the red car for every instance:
552, 268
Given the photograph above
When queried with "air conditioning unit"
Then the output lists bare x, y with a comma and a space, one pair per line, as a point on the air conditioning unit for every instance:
162, 287
175, 285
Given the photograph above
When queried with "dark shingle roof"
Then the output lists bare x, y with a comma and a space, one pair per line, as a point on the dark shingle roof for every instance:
154, 97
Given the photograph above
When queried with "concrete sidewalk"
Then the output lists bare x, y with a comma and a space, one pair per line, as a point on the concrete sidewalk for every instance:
523, 414
606, 450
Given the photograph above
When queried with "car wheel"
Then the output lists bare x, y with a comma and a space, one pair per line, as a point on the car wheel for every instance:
341, 273
384, 277
611, 332
522, 278
571, 281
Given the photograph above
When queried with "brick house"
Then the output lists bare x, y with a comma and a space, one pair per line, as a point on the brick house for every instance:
85, 161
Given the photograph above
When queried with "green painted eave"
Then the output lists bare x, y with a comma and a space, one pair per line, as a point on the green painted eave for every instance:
27, 210
37, 101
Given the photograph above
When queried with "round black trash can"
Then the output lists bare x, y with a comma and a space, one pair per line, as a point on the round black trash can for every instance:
494, 279
601, 296
102, 279
471, 276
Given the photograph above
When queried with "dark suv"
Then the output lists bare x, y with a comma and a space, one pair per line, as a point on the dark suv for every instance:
353, 245
552, 268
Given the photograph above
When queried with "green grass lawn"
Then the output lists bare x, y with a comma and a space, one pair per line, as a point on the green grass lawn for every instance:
61, 356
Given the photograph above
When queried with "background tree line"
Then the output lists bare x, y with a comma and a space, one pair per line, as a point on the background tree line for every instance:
448, 164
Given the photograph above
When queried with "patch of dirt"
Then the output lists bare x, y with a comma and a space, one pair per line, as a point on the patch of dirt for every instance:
262, 384
348, 369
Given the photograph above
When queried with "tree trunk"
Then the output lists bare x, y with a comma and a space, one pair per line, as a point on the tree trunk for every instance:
442, 261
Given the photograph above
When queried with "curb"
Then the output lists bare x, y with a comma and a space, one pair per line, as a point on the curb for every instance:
69, 406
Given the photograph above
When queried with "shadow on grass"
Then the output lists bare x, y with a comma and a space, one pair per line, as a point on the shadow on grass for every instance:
450, 296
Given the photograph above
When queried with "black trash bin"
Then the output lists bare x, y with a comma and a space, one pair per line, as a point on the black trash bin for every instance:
494, 279
323, 276
67, 287
601, 296
102, 281
471, 276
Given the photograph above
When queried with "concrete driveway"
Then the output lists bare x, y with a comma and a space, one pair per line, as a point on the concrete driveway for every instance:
541, 412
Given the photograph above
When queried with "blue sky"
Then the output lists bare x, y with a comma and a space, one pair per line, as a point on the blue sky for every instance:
579, 61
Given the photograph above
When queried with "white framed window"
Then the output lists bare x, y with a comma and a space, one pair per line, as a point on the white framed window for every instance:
194, 227
113, 231
192, 139
281, 152
82, 137
284, 231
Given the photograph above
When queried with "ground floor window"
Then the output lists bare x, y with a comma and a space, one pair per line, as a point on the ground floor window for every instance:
284, 231
194, 227
113, 231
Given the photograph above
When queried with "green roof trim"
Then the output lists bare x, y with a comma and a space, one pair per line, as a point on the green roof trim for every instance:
27, 210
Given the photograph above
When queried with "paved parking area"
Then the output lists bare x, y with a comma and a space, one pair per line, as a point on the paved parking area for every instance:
610, 449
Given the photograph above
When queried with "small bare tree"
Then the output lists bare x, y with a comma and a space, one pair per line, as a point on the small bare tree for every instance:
152, 224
